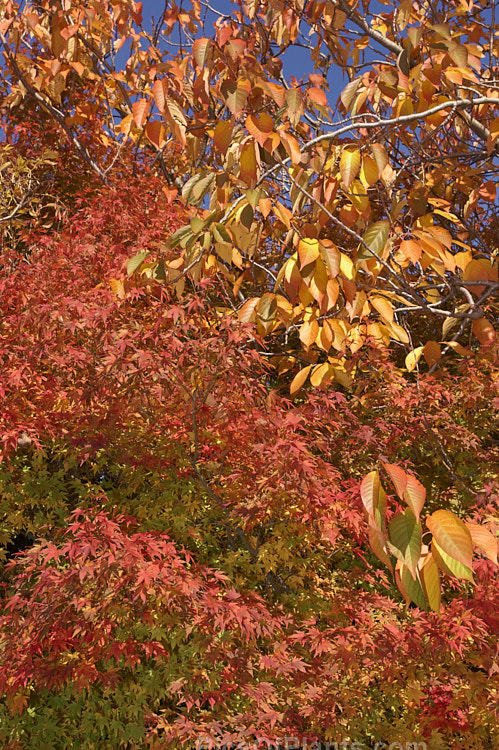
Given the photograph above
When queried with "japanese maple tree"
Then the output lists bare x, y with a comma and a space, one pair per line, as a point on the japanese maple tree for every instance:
249, 378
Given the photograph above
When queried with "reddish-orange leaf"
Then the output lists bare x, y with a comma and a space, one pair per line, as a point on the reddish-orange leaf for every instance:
140, 110
318, 96
155, 131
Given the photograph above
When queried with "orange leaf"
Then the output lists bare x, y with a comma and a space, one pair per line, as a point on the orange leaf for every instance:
140, 110
476, 271
379, 544
248, 163
484, 331
383, 306
299, 380
370, 489
223, 134
318, 96
155, 131
411, 250
408, 488
260, 126
484, 540
247, 313
331, 256
158, 92
432, 353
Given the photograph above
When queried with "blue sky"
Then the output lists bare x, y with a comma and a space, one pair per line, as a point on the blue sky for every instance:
296, 60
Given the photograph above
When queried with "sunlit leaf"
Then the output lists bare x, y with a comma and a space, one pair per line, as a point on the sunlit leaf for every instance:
451, 535
299, 380
349, 165
484, 540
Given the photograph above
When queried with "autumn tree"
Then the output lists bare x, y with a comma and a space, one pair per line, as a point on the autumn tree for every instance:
249, 374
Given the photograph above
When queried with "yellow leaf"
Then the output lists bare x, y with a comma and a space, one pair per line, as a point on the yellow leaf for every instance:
308, 333
383, 306
398, 333
413, 358
349, 165
369, 174
430, 581
449, 565
451, 535
308, 251
320, 373
346, 266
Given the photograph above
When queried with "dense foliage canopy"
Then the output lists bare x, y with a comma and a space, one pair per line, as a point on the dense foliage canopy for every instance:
249, 375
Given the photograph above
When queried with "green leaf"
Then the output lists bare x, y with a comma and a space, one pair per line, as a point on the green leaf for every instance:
135, 262
196, 188
181, 237
375, 238
449, 565
379, 545
405, 537
410, 588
